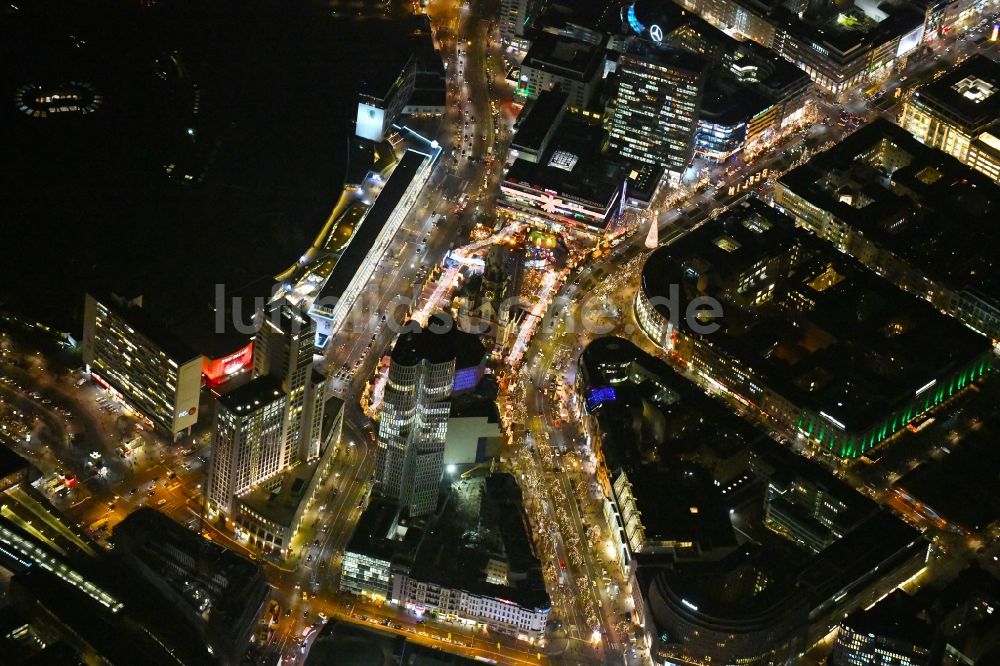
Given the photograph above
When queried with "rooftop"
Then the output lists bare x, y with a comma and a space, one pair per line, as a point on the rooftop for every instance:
572, 167
483, 519
921, 204
10, 462
616, 373
968, 94
381, 533
756, 589
149, 326
539, 119
962, 487
895, 617
255, 394
371, 226
430, 343
278, 503
783, 466
565, 57
344, 644
808, 321
843, 32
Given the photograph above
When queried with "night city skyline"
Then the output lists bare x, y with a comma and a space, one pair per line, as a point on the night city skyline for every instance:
566, 332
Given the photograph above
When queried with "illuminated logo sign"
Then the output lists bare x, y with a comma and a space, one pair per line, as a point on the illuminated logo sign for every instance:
656, 33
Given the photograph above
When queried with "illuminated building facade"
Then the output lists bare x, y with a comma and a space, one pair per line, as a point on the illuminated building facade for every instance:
427, 366
914, 215
803, 501
837, 46
883, 636
959, 113
662, 498
782, 346
515, 17
129, 352
656, 106
376, 230
219, 370
269, 515
575, 67
248, 444
569, 191
750, 94
379, 108
283, 349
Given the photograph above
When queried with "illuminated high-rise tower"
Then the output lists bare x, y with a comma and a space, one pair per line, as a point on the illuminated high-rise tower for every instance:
283, 349
427, 367
656, 106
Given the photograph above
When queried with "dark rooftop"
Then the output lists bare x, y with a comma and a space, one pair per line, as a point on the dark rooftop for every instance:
483, 519
344, 644
782, 464
564, 57
828, 334
374, 535
10, 462
930, 210
968, 94
435, 346
149, 326
895, 617
964, 486
374, 221
538, 119
845, 34
691, 419
254, 395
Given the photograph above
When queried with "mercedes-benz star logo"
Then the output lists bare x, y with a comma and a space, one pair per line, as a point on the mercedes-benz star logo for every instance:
656, 32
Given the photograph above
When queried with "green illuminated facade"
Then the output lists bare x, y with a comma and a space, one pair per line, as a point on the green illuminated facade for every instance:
847, 444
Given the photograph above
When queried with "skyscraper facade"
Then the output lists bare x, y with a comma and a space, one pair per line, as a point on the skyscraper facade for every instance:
133, 355
656, 106
248, 441
283, 349
415, 411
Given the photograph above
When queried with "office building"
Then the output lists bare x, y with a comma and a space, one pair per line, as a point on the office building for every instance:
515, 19
357, 262
888, 634
471, 564
130, 353
218, 591
913, 214
839, 45
476, 564
248, 444
426, 367
665, 454
751, 93
656, 106
760, 606
572, 186
575, 67
283, 349
803, 501
959, 113
776, 340
269, 515
537, 124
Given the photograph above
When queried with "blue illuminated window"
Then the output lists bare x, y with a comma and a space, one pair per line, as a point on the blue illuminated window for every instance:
597, 396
